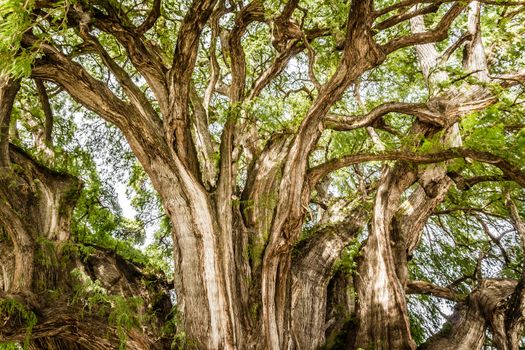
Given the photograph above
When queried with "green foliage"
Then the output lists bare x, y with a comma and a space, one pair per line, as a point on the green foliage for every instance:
122, 313
98, 154
15, 19
13, 311
347, 263
171, 329
45, 255
76, 250
10, 346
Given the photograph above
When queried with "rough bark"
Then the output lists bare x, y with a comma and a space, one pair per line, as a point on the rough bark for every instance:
380, 293
8, 89
466, 327
35, 214
507, 319
360, 54
312, 271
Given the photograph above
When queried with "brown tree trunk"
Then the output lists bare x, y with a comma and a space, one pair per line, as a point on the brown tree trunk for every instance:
465, 329
313, 269
239, 283
380, 291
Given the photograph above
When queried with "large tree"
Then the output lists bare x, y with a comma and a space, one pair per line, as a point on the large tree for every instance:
323, 165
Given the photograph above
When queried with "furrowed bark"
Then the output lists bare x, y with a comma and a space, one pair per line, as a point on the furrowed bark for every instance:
142, 54
404, 234
48, 113
200, 280
380, 293
176, 121
507, 320
239, 285
35, 214
33, 209
465, 329
261, 194
8, 89
360, 54
437, 34
313, 269
203, 140
509, 169
63, 322
206, 315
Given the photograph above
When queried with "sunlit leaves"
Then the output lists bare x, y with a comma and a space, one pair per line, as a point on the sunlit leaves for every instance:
14, 22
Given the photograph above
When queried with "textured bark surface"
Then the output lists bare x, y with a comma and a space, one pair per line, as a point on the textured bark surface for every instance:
39, 261
312, 271
380, 291
466, 326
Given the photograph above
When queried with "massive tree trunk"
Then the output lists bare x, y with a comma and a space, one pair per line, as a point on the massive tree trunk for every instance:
379, 283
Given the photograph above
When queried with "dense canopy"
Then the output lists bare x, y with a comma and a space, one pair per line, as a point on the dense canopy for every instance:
303, 174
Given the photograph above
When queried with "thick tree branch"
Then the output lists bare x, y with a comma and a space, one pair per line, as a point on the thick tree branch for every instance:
420, 110
151, 19
474, 59
360, 54
288, 10
188, 40
517, 221
274, 69
141, 133
515, 314
254, 11
135, 95
8, 89
427, 54
401, 5
437, 34
396, 19
214, 64
511, 79
427, 288
93, 93
203, 140
466, 327
176, 121
48, 113
413, 214
142, 54
313, 267
511, 171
